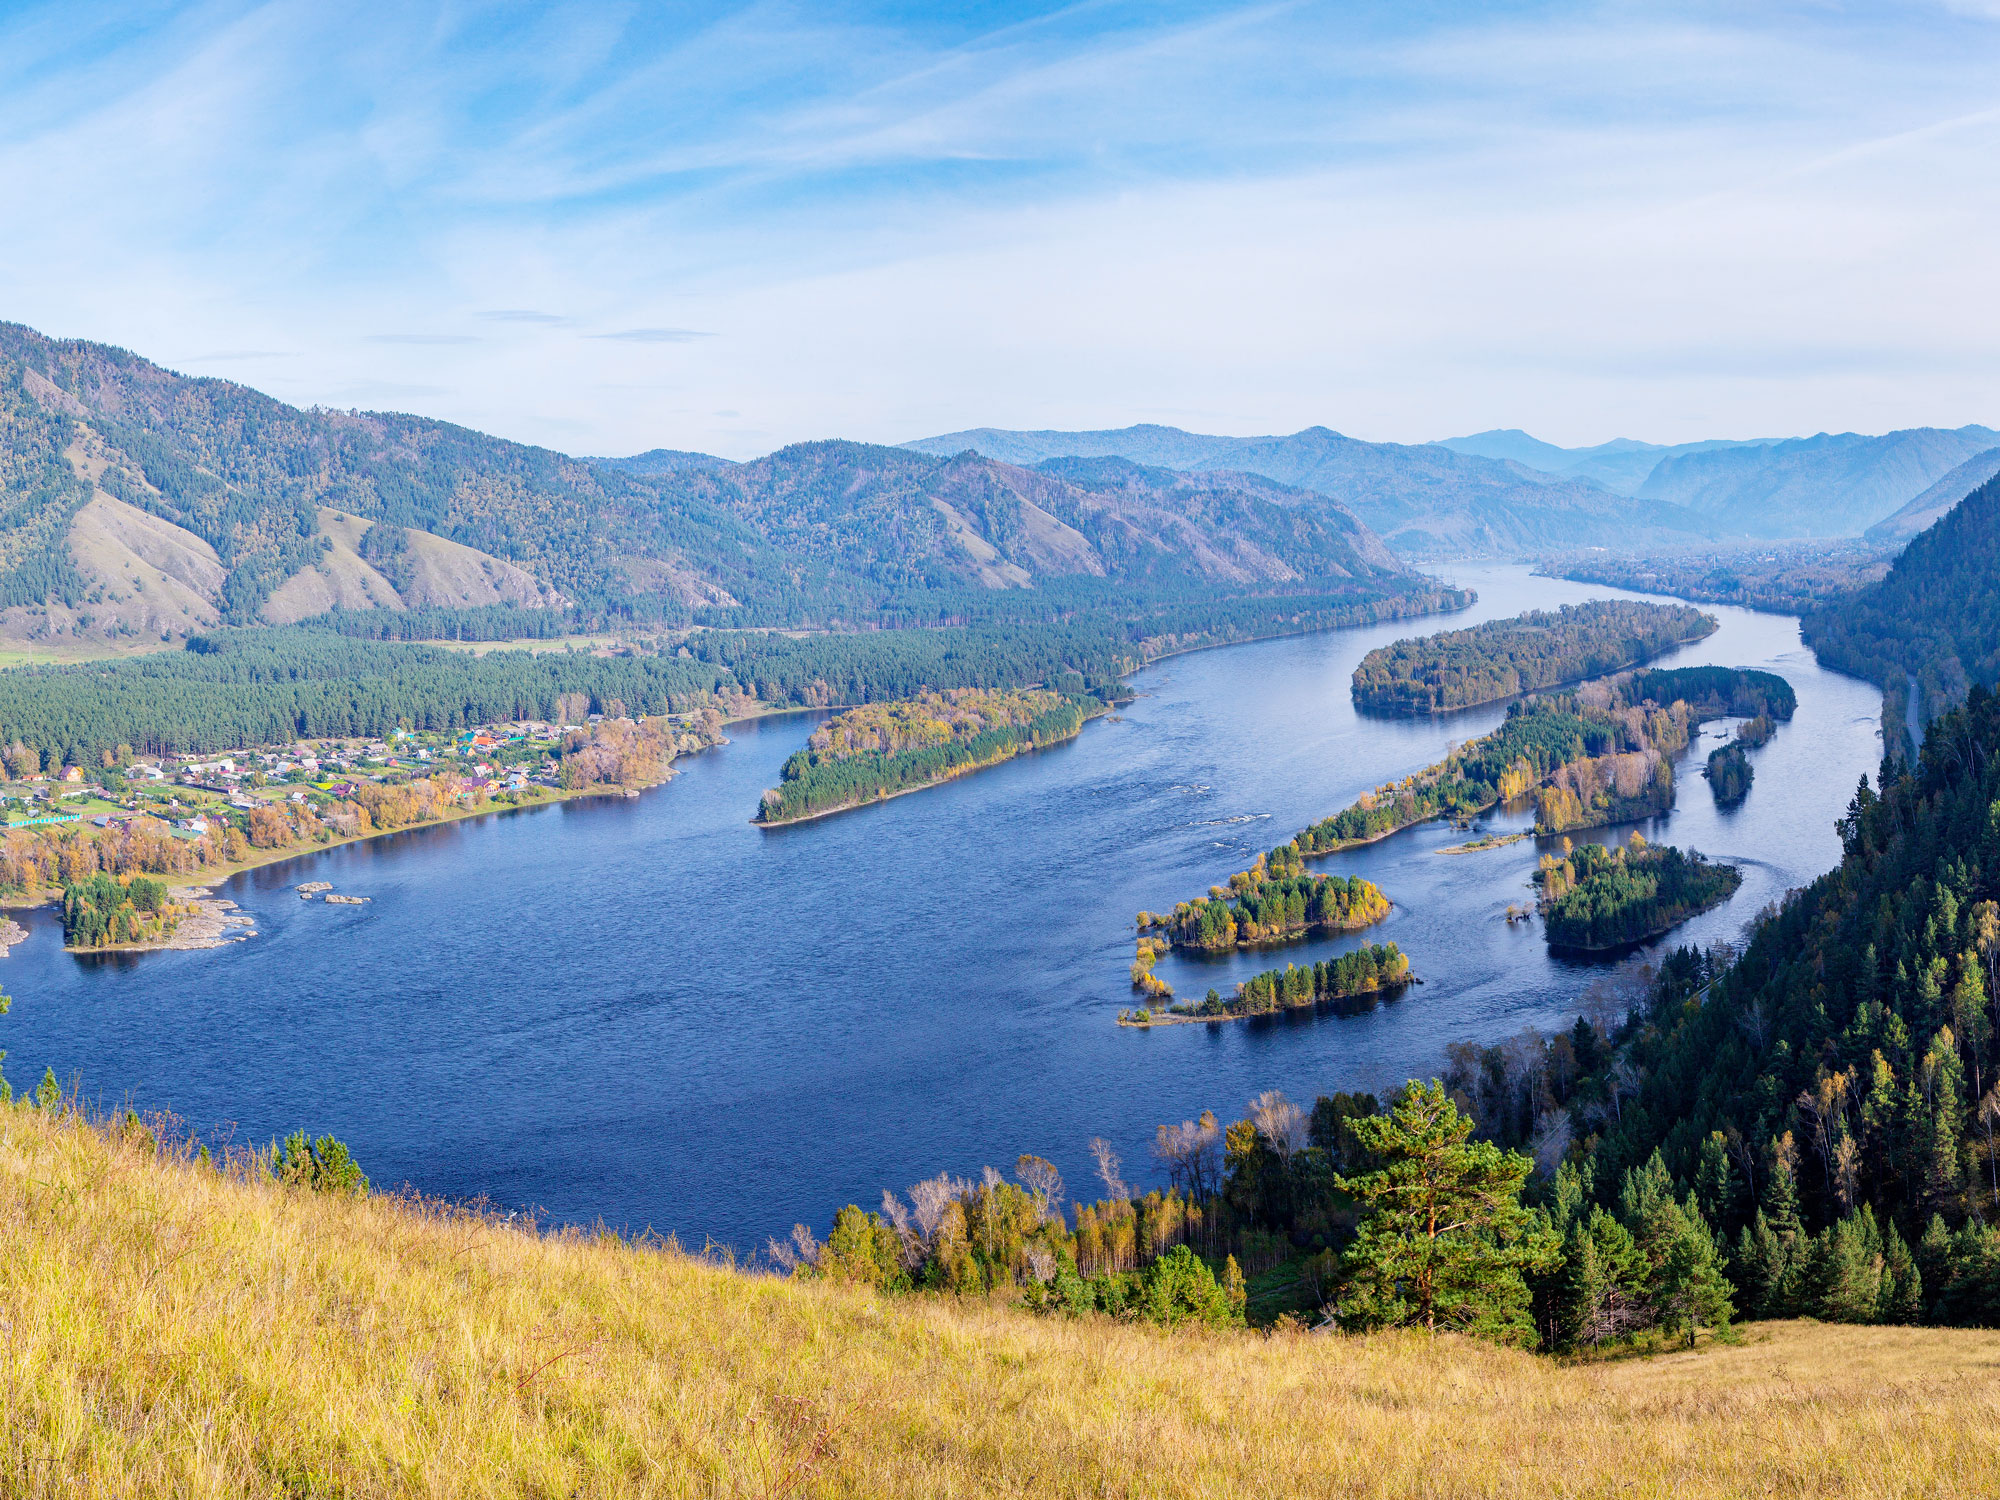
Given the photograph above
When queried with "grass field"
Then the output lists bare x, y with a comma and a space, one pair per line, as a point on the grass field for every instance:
62, 651
171, 1330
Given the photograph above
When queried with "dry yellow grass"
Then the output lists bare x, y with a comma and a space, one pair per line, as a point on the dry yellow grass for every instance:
165, 1330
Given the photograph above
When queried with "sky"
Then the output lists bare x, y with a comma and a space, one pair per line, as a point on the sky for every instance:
608, 228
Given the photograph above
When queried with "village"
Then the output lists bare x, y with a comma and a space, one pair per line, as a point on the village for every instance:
508, 763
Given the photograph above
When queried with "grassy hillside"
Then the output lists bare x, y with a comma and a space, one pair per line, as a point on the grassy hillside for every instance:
175, 1330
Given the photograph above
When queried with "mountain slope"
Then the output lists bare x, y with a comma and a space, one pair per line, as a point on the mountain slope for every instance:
1424, 501
661, 461
178, 1330
1621, 464
300, 511
1935, 617
900, 518
1929, 507
248, 475
1834, 484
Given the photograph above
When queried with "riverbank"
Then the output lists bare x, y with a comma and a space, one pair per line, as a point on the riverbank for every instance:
212, 922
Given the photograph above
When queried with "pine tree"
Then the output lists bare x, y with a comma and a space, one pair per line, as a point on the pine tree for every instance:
1445, 1238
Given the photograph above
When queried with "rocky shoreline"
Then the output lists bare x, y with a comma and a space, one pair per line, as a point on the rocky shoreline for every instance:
214, 922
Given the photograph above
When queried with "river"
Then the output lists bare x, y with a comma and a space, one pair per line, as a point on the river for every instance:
649, 1013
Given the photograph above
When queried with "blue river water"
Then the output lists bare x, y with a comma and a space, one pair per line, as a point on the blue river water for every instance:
649, 1013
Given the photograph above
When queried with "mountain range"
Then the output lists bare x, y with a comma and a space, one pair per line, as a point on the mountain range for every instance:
1426, 501
135, 502
1505, 492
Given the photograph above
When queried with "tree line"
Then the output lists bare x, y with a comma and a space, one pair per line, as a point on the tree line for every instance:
1935, 617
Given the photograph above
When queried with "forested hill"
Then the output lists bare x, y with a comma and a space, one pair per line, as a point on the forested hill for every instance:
1845, 1064
1936, 616
138, 502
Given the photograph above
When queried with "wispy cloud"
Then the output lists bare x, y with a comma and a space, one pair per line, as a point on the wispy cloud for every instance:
1669, 220
655, 335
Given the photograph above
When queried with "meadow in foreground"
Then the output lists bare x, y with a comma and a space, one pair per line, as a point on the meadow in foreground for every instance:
173, 1329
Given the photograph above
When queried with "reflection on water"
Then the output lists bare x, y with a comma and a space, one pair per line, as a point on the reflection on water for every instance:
649, 1012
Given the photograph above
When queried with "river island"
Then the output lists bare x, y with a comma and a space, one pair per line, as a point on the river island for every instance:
881, 750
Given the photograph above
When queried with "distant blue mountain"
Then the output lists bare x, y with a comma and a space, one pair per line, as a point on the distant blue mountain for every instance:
1424, 500
1832, 484
1934, 503
1621, 464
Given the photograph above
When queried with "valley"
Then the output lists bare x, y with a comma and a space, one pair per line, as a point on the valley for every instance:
998, 926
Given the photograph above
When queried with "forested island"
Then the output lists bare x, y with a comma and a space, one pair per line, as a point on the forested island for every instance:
884, 749
1503, 658
102, 911
1729, 774
1594, 899
1366, 973
1599, 755
1273, 901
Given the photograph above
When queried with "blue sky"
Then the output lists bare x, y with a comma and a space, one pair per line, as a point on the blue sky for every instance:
615, 227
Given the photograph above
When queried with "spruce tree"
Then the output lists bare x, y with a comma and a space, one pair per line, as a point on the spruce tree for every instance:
1688, 1290
1715, 1185
1601, 1284
1762, 1267
1902, 1299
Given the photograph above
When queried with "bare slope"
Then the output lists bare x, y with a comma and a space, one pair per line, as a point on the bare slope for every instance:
174, 1331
